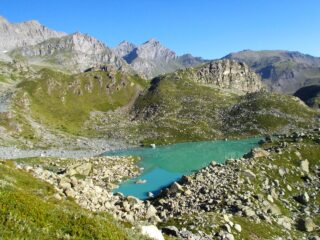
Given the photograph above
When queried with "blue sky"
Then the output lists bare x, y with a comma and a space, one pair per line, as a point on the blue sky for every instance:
207, 28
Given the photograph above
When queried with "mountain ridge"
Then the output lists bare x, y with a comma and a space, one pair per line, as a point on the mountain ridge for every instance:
282, 71
75, 52
20, 34
151, 58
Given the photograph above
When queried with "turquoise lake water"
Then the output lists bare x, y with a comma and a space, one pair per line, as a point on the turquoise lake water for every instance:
166, 164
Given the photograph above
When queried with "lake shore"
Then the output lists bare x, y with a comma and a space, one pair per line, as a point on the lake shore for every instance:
78, 149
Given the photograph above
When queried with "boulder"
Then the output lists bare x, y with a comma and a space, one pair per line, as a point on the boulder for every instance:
237, 227
151, 212
304, 165
256, 153
175, 188
82, 169
70, 193
303, 198
249, 174
285, 222
248, 212
152, 232
306, 224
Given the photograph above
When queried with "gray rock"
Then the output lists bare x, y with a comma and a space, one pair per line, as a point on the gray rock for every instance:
306, 224
304, 165
175, 187
228, 74
238, 227
285, 222
151, 212
249, 174
70, 193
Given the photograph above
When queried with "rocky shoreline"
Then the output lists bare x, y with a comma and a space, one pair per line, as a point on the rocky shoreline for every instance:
262, 188
77, 148
276, 186
90, 182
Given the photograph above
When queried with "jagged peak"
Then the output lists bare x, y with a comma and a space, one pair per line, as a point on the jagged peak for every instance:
125, 43
79, 35
152, 41
3, 20
33, 22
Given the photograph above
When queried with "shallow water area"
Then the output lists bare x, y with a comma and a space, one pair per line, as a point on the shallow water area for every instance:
165, 164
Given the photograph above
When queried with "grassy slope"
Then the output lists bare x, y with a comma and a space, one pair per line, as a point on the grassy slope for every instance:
28, 210
177, 109
65, 101
181, 110
258, 113
173, 109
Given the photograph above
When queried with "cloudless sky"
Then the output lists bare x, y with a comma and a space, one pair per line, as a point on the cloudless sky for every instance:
206, 28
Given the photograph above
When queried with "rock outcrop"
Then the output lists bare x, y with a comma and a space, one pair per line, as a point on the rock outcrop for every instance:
228, 74
13, 35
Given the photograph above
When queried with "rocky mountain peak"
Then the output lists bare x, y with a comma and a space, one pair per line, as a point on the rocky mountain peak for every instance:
152, 58
84, 43
123, 49
228, 74
154, 50
152, 41
33, 23
14, 35
3, 20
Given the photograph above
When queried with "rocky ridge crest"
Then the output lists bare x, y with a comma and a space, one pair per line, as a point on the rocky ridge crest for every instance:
75, 52
15, 35
152, 58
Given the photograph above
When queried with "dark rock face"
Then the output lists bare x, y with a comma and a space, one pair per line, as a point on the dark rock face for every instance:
310, 95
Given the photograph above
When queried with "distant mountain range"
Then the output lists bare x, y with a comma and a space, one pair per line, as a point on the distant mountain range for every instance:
152, 58
281, 71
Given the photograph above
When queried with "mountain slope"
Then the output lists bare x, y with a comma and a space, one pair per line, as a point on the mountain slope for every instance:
220, 99
151, 58
75, 53
71, 99
282, 71
177, 107
13, 35
31, 205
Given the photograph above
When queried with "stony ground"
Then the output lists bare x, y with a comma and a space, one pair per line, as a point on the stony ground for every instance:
270, 194
90, 181
78, 148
